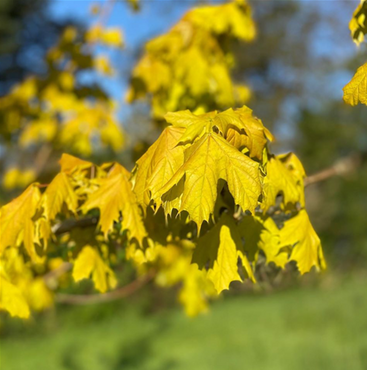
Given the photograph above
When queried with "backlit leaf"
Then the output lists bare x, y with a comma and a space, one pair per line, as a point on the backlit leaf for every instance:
299, 233
356, 90
89, 263
158, 165
16, 223
12, 299
219, 251
209, 159
115, 195
59, 192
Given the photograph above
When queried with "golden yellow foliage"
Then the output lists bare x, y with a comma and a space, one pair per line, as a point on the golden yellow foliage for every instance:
16, 223
167, 72
89, 263
221, 247
115, 195
214, 167
307, 251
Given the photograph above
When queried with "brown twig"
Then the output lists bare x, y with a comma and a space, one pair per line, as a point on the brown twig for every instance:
68, 225
341, 167
122, 292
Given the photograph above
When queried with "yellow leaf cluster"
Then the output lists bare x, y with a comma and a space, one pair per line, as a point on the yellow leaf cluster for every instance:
20, 289
214, 169
167, 72
356, 90
58, 110
183, 167
174, 266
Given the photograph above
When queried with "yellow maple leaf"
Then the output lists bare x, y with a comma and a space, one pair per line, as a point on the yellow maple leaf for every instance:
299, 233
59, 192
115, 195
238, 126
209, 159
16, 223
70, 163
358, 23
269, 242
221, 247
158, 165
89, 262
356, 90
12, 299
281, 179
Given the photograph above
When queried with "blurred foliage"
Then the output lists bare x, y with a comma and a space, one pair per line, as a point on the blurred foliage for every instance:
46, 114
189, 66
338, 204
26, 32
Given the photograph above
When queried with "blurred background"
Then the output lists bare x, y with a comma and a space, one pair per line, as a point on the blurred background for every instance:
295, 69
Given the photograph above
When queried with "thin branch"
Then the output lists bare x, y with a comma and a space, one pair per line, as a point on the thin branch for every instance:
122, 292
68, 225
341, 167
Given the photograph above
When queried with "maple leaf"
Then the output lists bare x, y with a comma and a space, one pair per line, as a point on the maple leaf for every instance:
282, 179
209, 159
115, 195
12, 299
158, 165
299, 234
221, 247
253, 134
16, 223
58, 192
358, 23
239, 127
89, 262
70, 163
356, 90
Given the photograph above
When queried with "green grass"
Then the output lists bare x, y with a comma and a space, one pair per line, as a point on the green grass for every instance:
322, 328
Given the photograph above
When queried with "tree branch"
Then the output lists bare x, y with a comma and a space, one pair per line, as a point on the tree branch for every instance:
68, 225
122, 292
341, 167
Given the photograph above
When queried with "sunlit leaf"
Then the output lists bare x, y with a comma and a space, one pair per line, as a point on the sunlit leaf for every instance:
299, 233
115, 196
89, 263
356, 90
209, 159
